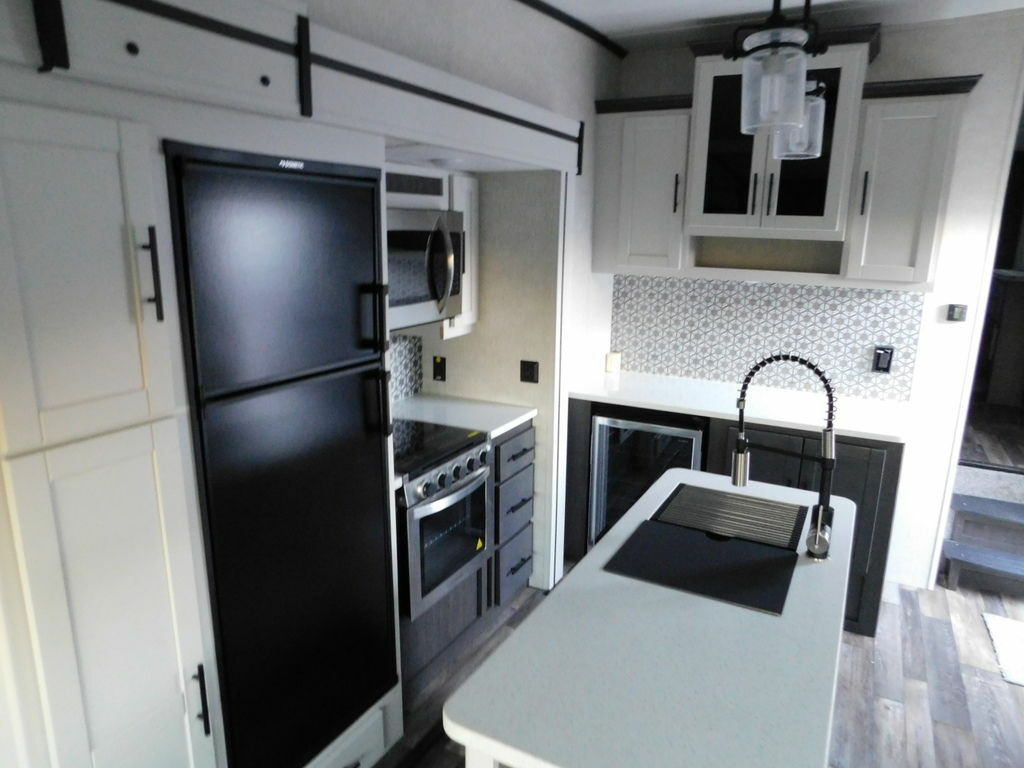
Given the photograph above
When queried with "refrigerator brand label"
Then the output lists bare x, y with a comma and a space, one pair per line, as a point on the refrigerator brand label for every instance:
295, 165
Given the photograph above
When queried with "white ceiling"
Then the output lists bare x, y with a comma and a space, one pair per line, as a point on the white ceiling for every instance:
625, 19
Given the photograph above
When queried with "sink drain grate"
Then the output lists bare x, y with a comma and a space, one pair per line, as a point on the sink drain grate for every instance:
730, 514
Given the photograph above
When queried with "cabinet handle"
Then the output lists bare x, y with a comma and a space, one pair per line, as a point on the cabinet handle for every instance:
753, 196
518, 455
864, 194
154, 260
356, 764
771, 190
675, 196
204, 712
519, 566
518, 505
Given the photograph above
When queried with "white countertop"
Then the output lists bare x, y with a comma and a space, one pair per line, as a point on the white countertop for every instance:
855, 417
493, 418
611, 671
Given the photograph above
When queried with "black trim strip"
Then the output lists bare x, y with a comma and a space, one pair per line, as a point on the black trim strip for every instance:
208, 24
305, 56
931, 86
995, 467
579, 150
418, 90
579, 26
644, 103
52, 36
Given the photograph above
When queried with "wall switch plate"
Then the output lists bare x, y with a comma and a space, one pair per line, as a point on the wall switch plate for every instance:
881, 361
439, 368
529, 371
956, 313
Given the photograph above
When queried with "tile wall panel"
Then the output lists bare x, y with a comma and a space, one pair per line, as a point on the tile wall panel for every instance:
717, 329
406, 366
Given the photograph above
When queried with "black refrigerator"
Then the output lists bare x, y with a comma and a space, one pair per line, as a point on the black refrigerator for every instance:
279, 267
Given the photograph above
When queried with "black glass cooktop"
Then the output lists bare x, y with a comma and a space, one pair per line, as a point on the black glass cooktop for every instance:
420, 445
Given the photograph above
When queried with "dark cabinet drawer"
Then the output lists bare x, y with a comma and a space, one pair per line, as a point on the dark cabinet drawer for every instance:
514, 454
514, 506
513, 565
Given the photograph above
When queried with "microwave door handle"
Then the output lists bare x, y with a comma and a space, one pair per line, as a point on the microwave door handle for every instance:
449, 256
459, 492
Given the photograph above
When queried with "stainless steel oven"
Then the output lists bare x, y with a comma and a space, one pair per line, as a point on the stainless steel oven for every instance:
447, 527
425, 266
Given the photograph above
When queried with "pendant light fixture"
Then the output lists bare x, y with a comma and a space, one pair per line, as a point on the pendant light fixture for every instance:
774, 57
803, 142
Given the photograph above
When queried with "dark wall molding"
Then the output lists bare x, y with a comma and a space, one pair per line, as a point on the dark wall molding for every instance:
579, 26
887, 89
863, 33
52, 37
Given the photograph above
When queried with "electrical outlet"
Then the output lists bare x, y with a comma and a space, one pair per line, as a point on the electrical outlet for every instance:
881, 361
529, 371
439, 368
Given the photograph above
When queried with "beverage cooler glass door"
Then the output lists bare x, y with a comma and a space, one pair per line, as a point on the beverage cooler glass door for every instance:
448, 539
626, 457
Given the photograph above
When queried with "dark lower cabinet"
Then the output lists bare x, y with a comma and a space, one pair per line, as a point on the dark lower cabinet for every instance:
867, 473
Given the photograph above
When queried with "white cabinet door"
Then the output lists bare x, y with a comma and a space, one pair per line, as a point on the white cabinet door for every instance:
650, 196
81, 350
900, 188
465, 197
103, 544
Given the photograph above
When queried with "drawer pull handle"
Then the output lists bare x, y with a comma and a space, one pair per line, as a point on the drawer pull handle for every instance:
356, 764
519, 454
519, 566
518, 505
204, 707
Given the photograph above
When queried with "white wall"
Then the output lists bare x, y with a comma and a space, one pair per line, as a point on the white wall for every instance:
993, 46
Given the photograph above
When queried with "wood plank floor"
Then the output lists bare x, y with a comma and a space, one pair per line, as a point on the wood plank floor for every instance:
925, 692
994, 435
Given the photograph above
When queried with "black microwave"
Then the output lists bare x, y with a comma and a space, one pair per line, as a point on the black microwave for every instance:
425, 266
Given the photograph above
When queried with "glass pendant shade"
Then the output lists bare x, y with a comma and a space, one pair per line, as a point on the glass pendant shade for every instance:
773, 80
802, 142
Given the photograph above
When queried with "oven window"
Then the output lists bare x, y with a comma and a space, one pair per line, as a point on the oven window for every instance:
451, 538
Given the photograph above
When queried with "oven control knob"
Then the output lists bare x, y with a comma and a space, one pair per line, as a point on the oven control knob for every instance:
484, 454
442, 480
456, 472
470, 464
426, 488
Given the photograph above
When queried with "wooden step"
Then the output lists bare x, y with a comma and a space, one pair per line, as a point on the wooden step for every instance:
992, 511
975, 557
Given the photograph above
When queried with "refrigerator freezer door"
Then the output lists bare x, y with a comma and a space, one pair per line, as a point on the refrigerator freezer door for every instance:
298, 546
281, 271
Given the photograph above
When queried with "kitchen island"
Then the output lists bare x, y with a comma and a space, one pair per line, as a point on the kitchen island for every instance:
611, 671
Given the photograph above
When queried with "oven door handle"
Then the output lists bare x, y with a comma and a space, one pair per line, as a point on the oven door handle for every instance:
458, 493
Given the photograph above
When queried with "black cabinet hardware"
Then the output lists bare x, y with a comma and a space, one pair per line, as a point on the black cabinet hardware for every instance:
864, 193
675, 196
753, 196
771, 189
356, 764
519, 454
378, 338
157, 298
519, 566
204, 712
518, 505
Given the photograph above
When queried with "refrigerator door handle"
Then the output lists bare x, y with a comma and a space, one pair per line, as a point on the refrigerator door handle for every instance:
385, 403
378, 294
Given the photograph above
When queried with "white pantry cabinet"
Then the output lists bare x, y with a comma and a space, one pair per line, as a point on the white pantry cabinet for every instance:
900, 188
103, 544
736, 188
641, 174
82, 350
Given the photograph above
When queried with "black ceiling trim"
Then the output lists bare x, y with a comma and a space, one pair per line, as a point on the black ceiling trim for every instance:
419, 90
305, 55
644, 103
932, 86
579, 26
300, 51
53, 39
887, 89
862, 33
579, 150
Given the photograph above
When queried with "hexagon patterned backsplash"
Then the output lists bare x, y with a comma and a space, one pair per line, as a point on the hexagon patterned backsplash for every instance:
406, 366
717, 329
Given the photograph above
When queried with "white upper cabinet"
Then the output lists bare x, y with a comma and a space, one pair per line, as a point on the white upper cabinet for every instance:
81, 348
640, 181
736, 188
900, 188
104, 546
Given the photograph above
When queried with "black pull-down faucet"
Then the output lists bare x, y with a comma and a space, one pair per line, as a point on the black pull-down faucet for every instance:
821, 526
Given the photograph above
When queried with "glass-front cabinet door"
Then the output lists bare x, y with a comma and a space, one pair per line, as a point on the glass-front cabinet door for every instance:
737, 188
